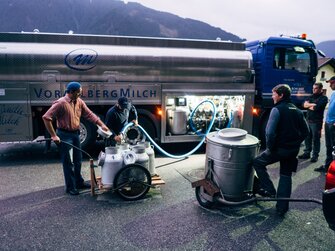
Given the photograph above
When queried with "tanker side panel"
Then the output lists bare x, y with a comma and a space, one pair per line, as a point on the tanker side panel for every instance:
36, 62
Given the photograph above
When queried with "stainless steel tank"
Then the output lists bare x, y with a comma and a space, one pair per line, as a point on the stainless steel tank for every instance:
177, 121
230, 153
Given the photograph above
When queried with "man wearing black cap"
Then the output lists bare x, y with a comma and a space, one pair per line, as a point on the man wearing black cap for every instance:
329, 128
67, 111
117, 117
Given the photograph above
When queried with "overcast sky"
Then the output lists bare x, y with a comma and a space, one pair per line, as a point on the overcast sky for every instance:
254, 19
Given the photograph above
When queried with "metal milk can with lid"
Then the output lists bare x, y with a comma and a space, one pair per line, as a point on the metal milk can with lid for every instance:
149, 149
112, 163
142, 157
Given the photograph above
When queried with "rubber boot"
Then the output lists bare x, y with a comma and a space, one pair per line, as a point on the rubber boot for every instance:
283, 191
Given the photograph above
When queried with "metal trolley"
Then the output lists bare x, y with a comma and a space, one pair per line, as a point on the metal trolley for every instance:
131, 182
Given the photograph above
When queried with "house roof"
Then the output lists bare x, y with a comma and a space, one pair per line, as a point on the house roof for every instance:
325, 61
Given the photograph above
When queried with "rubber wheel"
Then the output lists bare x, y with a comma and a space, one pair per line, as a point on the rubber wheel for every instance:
202, 201
132, 182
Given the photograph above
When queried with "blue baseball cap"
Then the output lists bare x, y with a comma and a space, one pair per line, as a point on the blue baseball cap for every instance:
73, 86
123, 102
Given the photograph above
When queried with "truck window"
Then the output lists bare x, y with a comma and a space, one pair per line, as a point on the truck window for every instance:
291, 59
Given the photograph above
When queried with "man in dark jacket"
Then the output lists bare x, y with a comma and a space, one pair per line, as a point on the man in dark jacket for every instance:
117, 117
315, 106
285, 131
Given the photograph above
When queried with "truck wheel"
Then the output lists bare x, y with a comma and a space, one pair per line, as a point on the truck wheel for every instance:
200, 198
148, 127
88, 134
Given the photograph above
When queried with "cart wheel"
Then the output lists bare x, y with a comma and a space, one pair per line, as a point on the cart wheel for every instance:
132, 182
199, 192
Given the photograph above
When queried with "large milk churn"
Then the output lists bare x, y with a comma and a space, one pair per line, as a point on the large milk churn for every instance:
229, 153
111, 165
142, 157
151, 153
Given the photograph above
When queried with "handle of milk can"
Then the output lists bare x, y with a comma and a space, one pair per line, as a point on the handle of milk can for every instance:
230, 153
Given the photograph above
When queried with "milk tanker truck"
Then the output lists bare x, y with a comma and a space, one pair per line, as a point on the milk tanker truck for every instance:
164, 78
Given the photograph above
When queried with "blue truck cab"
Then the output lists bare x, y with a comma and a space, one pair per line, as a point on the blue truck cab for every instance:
281, 60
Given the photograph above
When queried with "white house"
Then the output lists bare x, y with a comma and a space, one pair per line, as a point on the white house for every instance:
326, 68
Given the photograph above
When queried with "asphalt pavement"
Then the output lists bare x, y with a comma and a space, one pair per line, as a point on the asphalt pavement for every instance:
36, 214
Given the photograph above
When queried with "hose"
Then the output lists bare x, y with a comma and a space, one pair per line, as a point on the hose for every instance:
92, 166
223, 201
67, 143
194, 149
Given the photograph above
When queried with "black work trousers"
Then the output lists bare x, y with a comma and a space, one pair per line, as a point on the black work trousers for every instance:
312, 142
288, 164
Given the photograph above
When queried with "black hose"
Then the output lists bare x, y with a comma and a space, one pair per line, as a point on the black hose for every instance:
289, 199
255, 199
91, 158
67, 143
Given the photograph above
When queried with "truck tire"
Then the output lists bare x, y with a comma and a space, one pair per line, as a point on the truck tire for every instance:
88, 134
148, 126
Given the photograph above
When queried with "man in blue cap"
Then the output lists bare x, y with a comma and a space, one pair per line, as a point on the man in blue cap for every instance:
67, 112
117, 117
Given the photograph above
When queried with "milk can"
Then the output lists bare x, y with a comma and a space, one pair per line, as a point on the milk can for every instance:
142, 157
151, 153
112, 163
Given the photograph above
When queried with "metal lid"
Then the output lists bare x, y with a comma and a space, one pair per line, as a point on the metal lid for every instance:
129, 157
232, 134
232, 137
103, 133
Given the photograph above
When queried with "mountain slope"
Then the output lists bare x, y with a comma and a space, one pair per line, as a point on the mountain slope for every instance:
109, 17
328, 47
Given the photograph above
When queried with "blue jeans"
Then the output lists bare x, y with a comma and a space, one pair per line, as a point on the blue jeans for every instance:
71, 167
313, 139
